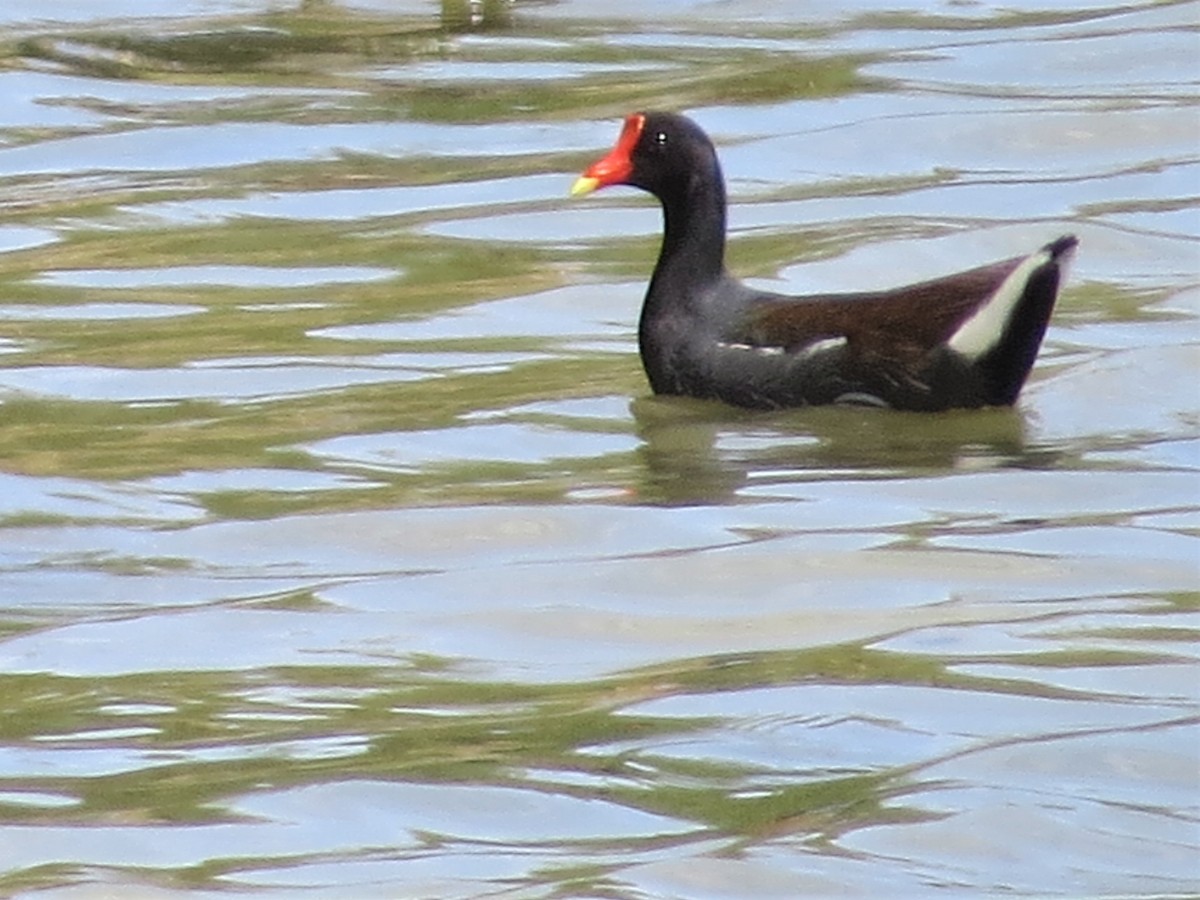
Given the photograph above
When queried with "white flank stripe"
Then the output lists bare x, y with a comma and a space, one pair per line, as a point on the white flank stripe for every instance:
830, 343
771, 350
979, 334
765, 350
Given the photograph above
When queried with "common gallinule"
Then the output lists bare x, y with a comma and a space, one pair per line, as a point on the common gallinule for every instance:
964, 340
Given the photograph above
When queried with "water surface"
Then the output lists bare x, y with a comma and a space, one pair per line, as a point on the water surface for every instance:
345, 553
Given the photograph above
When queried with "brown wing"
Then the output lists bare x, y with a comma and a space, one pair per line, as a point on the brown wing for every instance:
896, 326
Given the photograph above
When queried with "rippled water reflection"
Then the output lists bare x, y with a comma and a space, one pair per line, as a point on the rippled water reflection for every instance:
345, 554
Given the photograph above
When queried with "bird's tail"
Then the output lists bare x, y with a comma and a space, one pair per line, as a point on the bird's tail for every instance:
1002, 337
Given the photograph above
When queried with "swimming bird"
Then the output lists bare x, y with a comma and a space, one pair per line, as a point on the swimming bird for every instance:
963, 340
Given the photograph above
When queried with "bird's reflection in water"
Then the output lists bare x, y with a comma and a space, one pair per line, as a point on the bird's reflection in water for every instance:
699, 452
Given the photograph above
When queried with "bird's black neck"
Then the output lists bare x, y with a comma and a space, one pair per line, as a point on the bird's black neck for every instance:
693, 248
690, 263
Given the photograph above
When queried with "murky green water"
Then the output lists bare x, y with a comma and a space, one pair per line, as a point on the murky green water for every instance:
345, 554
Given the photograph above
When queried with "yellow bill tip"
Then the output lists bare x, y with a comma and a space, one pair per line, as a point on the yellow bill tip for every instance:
584, 185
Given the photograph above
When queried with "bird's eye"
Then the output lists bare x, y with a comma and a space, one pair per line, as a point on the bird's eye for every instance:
660, 139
